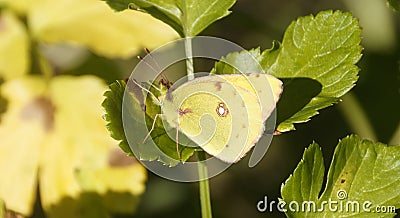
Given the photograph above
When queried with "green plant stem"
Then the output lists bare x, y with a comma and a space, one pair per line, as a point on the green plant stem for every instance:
189, 59
204, 186
356, 117
205, 200
395, 140
43, 64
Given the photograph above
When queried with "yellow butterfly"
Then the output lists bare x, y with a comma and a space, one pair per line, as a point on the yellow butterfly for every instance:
223, 114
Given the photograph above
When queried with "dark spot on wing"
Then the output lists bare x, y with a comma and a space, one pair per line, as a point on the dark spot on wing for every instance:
185, 111
168, 95
218, 85
226, 146
342, 181
222, 110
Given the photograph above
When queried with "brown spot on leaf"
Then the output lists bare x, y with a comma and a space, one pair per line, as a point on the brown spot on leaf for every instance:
9, 213
40, 108
2, 23
118, 158
12, 214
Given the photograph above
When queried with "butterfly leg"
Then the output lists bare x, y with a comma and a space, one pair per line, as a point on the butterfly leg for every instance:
147, 90
152, 127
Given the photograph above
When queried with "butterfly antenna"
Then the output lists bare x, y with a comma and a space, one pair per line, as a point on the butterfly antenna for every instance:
151, 67
164, 78
147, 63
148, 91
153, 59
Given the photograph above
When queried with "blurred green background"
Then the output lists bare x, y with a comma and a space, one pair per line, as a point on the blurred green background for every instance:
236, 192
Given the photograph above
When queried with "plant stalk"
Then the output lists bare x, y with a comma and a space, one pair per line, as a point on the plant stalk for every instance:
189, 58
356, 117
395, 140
205, 201
40, 62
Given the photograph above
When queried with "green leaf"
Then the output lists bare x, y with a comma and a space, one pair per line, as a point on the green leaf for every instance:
163, 140
118, 5
187, 17
112, 104
133, 105
394, 5
361, 171
316, 62
239, 62
322, 49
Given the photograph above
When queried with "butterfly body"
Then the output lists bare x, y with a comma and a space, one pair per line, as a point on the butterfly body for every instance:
223, 114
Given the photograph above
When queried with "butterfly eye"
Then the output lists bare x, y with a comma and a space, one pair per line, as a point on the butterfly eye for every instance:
222, 110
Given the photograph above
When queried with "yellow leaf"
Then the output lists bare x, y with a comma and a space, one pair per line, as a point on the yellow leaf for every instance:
22, 135
53, 133
1, 209
93, 24
19, 6
13, 46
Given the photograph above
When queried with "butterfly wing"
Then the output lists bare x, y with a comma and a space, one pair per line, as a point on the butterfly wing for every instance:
267, 88
224, 114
